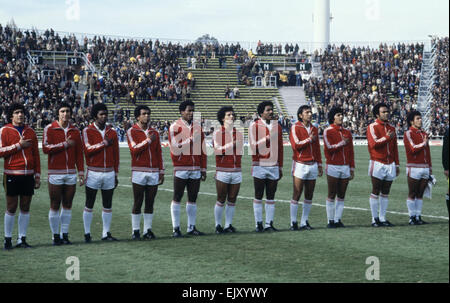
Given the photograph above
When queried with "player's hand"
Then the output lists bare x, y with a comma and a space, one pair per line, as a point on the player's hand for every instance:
203, 176
151, 136
70, 142
320, 171
390, 133
161, 179
397, 171
37, 182
313, 137
346, 140
82, 180
352, 175
116, 182
25, 143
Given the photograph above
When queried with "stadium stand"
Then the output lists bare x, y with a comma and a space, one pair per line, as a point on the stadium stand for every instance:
128, 72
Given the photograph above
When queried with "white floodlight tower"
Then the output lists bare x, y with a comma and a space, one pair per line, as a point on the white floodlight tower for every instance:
321, 24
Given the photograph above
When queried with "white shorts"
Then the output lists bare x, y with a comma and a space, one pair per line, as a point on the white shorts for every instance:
418, 172
338, 171
65, 179
229, 177
382, 171
101, 180
304, 171
144, 178
266, 172
188, 174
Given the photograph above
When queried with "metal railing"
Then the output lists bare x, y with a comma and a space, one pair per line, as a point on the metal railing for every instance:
427, 77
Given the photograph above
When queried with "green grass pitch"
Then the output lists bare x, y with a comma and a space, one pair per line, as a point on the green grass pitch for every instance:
406, 253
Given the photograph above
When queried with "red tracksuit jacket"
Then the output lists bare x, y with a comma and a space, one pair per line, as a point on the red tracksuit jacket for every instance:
101, 156
336, 151
19, 161
187, 146
146, 155
266, 145
381, 147
304, 150
417, 148
61, 158
228, 148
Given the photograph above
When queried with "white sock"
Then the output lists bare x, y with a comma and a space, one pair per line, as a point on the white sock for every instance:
384, 202
229, 213
24, 220
136, 222
106, 218
191, 210
53, 219
374, 205
65, 218
270, 211
331, 209
148, 219
305, 213
294, 211
218, 211
411, 207
419, 205
175, 209
9, 224
339, 209
257, 210
87, 220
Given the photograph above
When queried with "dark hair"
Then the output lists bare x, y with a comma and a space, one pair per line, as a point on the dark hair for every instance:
137, 110
13, 108
185, 104
262, 106
96, 108
333, 111
412, 114
221, 113
376, 109
62, 105
300, 111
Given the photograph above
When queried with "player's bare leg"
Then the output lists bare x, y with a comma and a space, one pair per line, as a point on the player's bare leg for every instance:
259, 186
68, 194
138, 194
271, 189
178, 185
150, 195
309, 186
233, 191
222, 193
193, 187
55, 194
107, 196
297, 192
333, 187
87, 213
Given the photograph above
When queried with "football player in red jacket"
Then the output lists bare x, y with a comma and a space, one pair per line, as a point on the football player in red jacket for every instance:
384, 165
418, 165
62, 143
22, 171
147, 170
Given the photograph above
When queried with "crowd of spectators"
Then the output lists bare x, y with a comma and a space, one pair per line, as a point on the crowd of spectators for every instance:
355, 78
358, 78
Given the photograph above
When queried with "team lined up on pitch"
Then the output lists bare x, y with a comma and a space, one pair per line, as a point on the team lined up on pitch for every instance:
65, 145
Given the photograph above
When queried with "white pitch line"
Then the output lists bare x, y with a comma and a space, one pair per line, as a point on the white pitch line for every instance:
316, 204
